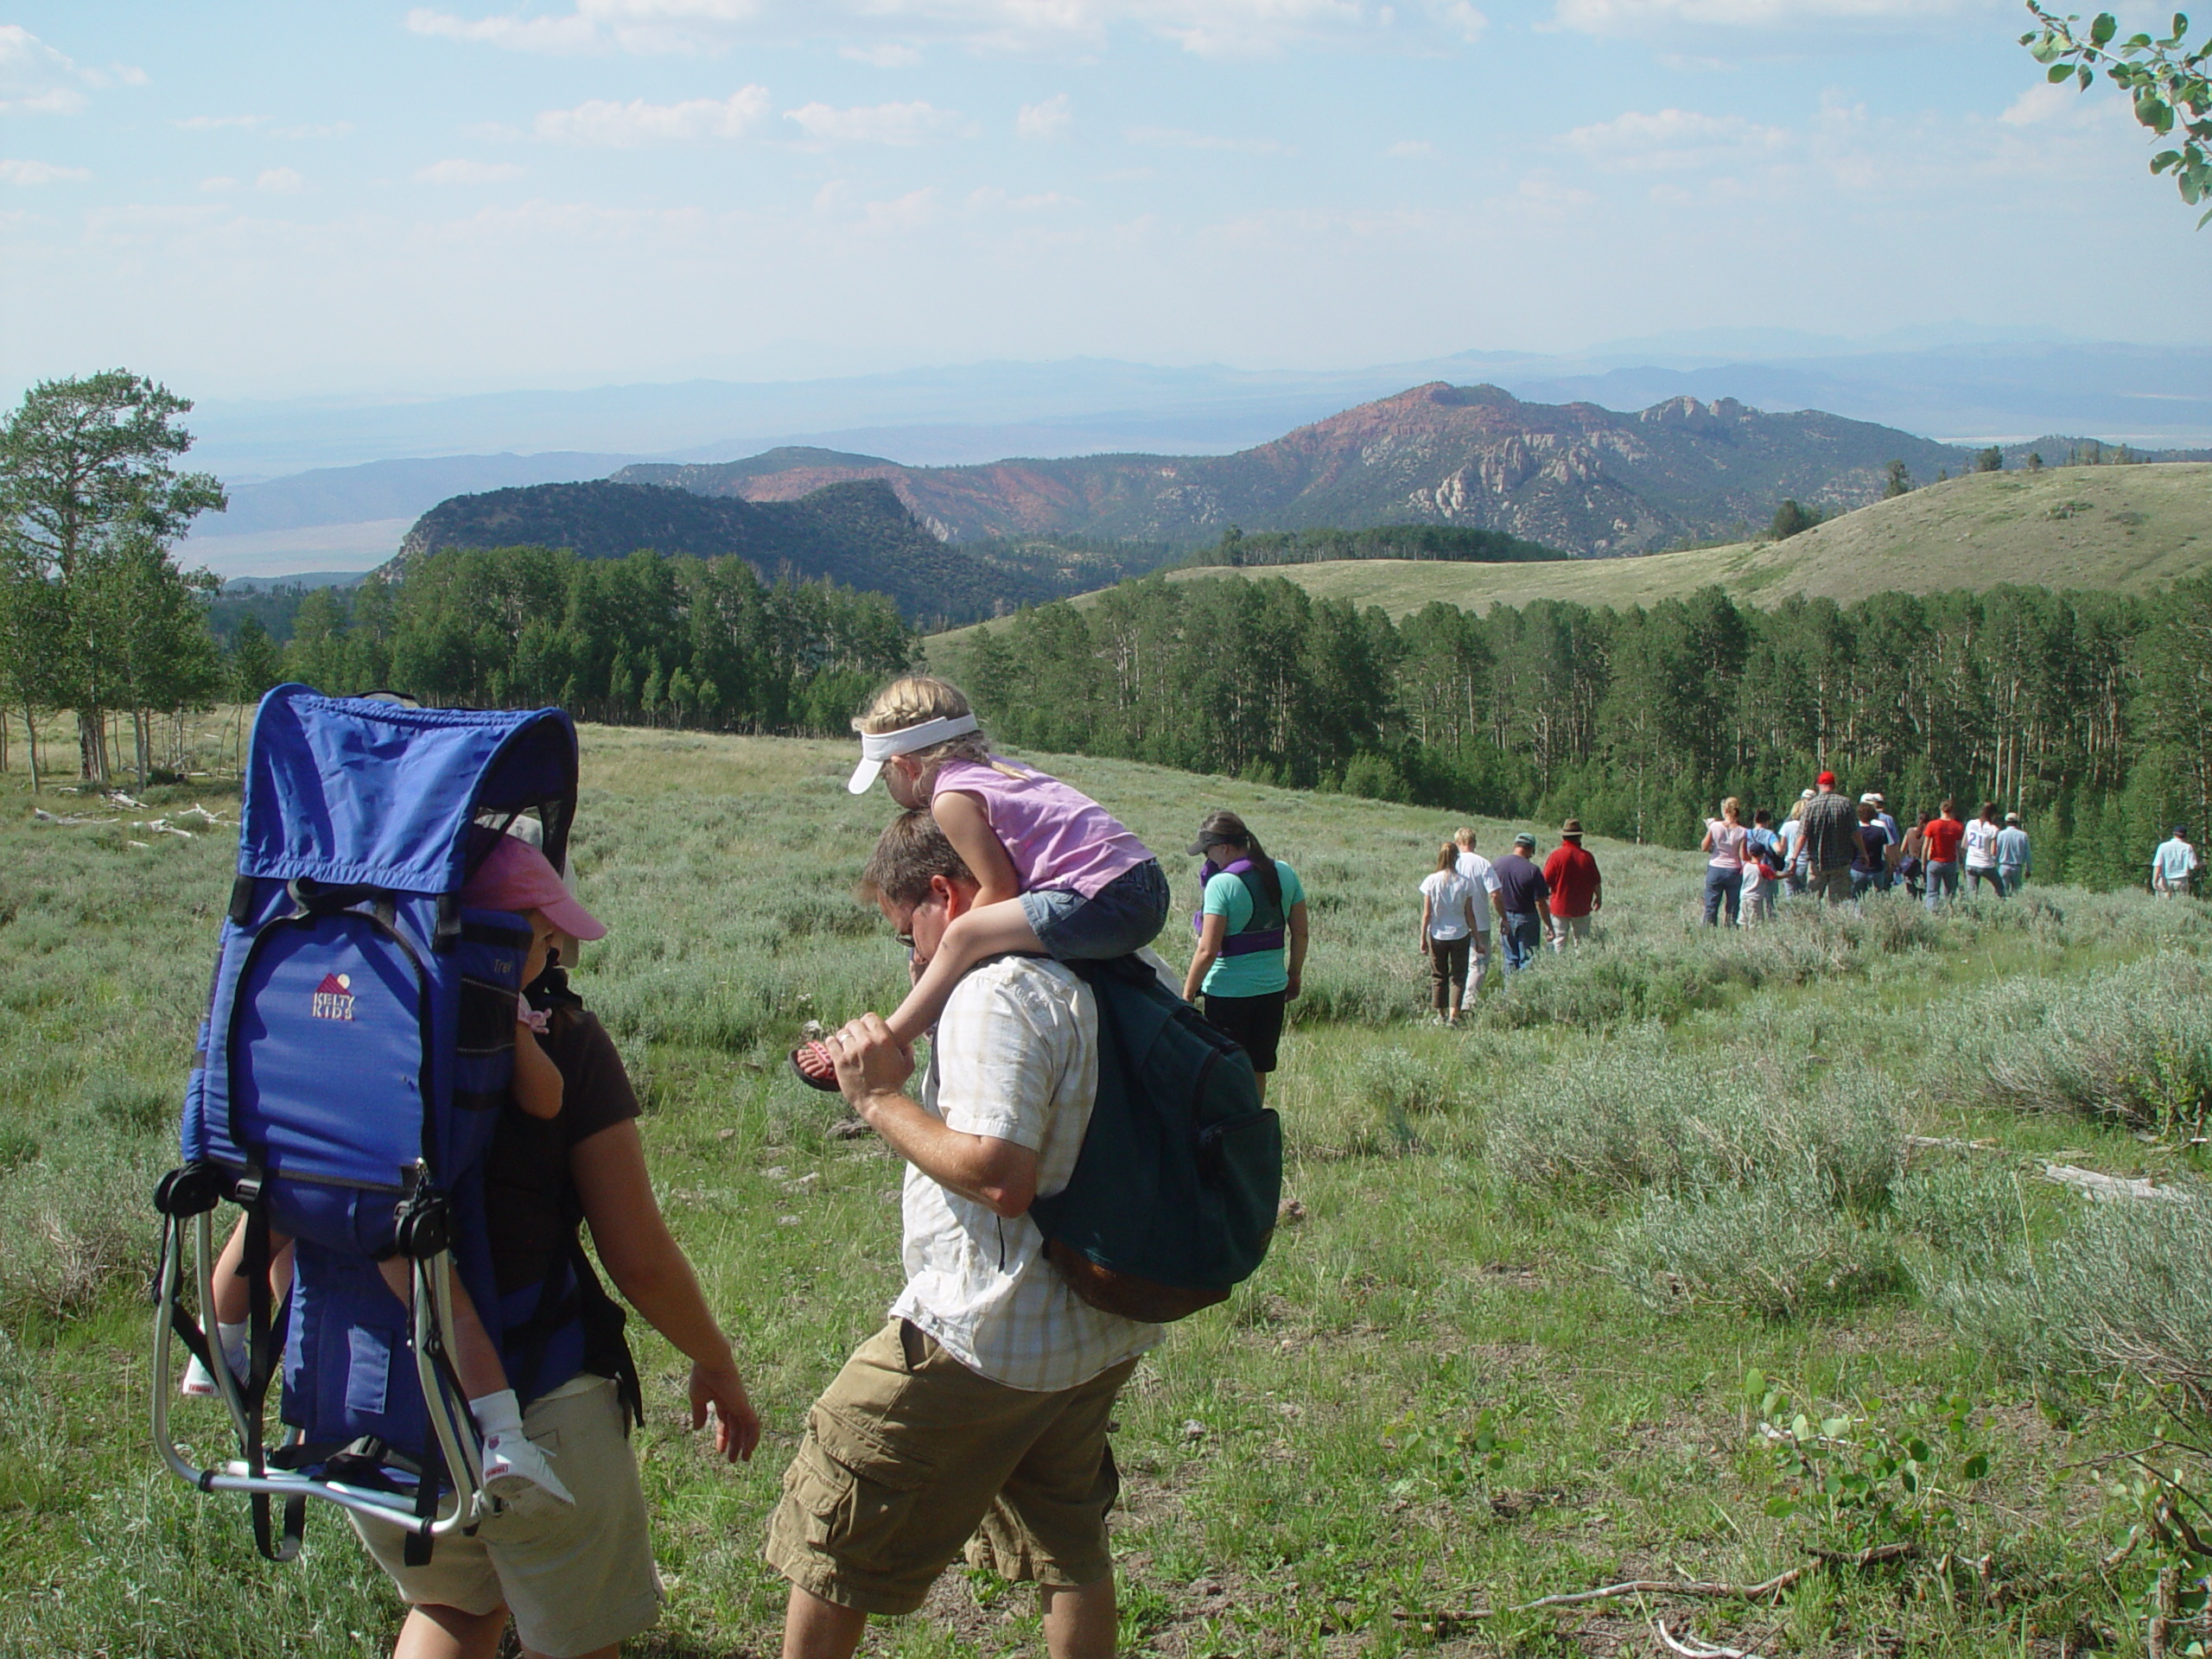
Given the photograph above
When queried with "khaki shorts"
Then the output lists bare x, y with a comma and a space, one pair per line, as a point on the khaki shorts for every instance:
576, 1577
908, 1453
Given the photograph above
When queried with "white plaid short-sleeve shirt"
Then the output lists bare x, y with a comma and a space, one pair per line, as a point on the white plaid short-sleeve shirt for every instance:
1015, 1057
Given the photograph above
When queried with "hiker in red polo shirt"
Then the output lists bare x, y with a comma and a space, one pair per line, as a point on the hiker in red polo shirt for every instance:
1577, 888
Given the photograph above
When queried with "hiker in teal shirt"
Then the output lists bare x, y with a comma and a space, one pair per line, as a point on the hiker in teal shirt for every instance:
1251, 939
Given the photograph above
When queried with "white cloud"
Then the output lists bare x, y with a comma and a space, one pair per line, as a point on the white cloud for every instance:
40, 173
2044, 102
877, 123
281, 181
1176, 138
601, 121
1673, 139
1411, 149
579, 33
36, 79
218, 184
992, 199
912, 211
1048, 120
1644, 17
457, 171
887, 31
884, 54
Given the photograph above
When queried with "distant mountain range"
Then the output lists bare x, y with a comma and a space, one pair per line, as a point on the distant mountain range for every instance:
1575, 477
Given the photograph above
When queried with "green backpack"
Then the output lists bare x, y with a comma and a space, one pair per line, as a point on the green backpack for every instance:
1174, 1193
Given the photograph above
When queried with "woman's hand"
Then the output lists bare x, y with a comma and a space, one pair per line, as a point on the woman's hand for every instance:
718, 1388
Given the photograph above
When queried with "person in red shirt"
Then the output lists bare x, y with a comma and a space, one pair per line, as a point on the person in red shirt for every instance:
1577, 888
1940, 841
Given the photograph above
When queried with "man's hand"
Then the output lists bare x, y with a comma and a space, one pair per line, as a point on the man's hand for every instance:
870, 1060
737, 1426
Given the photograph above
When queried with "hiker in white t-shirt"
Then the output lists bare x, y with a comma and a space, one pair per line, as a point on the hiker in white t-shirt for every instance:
1477, 868
2173, 866
1980, 843
1448, 932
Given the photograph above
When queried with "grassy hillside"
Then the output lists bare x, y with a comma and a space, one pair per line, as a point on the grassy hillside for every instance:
2128, 529
1502, 1349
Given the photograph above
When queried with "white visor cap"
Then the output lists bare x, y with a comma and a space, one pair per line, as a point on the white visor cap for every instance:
876, 747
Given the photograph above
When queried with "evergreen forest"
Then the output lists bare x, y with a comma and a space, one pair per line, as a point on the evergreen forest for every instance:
2084, 711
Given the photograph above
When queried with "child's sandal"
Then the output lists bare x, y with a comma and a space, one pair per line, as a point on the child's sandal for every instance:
815, 1066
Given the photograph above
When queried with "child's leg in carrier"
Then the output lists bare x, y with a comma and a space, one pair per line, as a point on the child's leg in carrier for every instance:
234, 1304
508, 1453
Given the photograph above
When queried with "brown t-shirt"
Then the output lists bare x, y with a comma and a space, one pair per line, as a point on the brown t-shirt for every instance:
529, 1201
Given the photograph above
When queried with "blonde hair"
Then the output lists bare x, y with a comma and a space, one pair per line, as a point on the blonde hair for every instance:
1447, 856
1465, 834
913, 698
1732, 808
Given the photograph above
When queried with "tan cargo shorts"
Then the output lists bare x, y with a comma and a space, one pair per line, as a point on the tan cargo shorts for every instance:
909, 1455
576, 1577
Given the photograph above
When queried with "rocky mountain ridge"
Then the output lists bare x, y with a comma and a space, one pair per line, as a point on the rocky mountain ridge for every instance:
1587, 479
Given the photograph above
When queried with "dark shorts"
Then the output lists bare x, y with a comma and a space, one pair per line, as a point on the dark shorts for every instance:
1122, 916
1254, 1022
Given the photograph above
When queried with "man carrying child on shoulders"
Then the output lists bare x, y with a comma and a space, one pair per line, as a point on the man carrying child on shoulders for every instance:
981, 1408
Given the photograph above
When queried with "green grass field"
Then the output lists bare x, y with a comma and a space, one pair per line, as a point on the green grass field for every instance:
1502, 1351
2123, 529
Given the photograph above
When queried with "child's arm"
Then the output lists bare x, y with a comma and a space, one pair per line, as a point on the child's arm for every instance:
537, 1086
968, 827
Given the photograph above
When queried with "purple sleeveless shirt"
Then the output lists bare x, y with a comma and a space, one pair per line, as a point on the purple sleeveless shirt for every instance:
1060, 839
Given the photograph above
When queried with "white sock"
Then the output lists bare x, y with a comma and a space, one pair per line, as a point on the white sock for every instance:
231, 1341
509, 1454
497, 1414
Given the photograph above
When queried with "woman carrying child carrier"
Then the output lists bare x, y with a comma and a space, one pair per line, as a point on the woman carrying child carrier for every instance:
576, 1578
1251, 927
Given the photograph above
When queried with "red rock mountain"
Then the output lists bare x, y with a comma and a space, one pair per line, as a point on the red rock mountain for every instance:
1574, 476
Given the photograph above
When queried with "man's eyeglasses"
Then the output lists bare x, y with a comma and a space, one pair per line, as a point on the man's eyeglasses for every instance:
904, 941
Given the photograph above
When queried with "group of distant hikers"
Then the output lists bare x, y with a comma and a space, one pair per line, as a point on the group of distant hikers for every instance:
1830, 849
1833, 851
977, 1416
1532, 904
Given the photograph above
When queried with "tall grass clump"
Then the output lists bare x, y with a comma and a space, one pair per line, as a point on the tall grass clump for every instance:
2130, 1045
77, 1219
2125, 1293
1778, 1250
1636, 1117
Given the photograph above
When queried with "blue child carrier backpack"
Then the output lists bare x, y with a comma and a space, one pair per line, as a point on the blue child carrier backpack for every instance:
355, 1059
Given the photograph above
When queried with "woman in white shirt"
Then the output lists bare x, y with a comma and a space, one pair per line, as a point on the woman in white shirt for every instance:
1724, 871
1448, 932
1981, 840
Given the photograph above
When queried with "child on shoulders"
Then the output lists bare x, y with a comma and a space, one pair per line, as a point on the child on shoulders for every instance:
1059, 875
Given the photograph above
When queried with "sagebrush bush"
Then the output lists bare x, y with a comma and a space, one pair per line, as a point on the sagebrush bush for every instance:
2130, 1044
1966, 1211
1778, 1250
2124, 1292
1638, 1118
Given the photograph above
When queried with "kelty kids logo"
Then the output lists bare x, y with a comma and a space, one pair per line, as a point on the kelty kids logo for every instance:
334, 998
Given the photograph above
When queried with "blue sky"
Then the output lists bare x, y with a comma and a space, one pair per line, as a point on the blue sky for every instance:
284, 200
